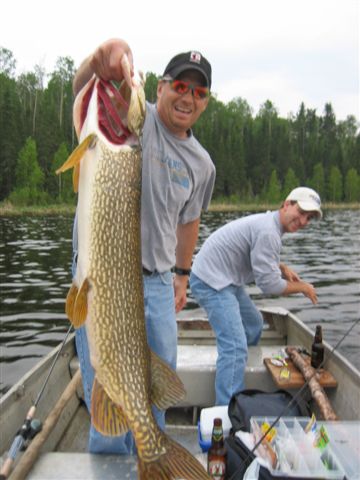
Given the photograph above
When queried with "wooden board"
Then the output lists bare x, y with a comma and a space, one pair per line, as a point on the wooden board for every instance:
296, 379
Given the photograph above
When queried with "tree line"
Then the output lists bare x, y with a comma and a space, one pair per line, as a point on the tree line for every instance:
257, 157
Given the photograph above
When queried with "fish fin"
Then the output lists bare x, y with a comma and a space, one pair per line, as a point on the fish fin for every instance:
76, 177
107, 417
77, 154
136, 112
80, 305
177, 462
166, 387
70, 301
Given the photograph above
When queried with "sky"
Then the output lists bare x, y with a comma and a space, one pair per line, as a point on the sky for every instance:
285, 51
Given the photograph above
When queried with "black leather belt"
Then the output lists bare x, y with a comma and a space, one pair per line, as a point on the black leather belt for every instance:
147, 272
178, 271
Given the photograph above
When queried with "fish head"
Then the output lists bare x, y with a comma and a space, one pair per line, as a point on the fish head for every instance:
113, 112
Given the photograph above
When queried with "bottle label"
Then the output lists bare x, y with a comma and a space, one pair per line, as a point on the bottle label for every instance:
217, 469
217, 434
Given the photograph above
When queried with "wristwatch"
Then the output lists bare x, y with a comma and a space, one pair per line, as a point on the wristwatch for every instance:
182, 271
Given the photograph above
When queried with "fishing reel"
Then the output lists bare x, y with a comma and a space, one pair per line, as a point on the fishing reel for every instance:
29, 430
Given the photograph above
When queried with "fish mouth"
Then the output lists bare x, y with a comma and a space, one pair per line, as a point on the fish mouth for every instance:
112, 109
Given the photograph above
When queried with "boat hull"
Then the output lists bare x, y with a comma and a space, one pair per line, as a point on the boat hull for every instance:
196, 368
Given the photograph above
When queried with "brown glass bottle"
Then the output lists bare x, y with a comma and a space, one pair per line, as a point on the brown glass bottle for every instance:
217, 452
317, 348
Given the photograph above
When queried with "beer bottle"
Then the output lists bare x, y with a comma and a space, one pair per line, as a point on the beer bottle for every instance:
217, 452
317, 348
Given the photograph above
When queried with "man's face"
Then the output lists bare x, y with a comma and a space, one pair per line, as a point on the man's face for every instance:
292, 218
180, 112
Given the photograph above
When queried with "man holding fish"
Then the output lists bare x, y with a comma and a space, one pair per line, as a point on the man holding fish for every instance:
177, 182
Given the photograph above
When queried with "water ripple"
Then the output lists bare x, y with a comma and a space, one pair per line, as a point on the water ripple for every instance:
35, 265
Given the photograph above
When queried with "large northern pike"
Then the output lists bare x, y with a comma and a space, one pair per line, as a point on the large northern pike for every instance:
107, 292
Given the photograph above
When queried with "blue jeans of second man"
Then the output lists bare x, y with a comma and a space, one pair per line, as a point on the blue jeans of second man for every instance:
162, 338
237, 323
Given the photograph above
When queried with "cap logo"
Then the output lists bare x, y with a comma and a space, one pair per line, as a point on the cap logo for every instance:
315, 198
195, 57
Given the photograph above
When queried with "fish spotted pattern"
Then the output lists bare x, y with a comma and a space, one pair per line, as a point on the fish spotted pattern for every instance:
107, 292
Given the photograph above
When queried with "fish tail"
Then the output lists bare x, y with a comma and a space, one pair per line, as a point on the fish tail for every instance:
176, 463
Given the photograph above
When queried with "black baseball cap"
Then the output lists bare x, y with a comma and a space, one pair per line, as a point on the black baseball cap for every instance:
192, 60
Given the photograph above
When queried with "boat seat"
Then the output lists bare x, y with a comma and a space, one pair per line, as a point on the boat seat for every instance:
196, 366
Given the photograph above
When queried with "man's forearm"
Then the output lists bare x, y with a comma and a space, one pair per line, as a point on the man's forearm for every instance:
294, 287
187, 235
82, 76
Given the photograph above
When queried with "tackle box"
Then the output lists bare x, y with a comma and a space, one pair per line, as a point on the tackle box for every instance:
297, 455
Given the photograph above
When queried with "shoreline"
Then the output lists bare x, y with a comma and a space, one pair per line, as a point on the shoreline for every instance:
9, 210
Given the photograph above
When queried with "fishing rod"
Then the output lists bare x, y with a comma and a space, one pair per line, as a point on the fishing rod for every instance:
240, 469
31, 426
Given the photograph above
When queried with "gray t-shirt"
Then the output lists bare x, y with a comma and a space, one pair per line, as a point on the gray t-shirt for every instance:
243, 251
177, 181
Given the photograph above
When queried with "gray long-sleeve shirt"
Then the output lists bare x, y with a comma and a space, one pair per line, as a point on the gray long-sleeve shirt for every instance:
243, 251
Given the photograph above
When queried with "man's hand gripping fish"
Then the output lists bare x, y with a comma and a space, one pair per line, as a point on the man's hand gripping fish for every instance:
107, 291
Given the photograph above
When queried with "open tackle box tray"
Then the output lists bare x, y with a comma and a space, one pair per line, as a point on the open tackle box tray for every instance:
299, 458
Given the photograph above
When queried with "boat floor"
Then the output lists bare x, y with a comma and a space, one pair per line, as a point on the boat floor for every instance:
181, 422
81, 466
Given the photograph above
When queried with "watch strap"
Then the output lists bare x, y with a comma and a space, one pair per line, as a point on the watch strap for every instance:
182, 271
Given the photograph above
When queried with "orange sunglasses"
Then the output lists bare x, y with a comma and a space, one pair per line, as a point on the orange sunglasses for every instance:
181, 88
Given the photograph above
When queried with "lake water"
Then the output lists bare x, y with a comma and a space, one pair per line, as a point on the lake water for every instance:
35, 262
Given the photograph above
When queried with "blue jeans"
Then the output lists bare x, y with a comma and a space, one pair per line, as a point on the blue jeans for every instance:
162, 338
237, 323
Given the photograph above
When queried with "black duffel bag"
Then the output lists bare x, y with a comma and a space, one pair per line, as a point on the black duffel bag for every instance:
255, 403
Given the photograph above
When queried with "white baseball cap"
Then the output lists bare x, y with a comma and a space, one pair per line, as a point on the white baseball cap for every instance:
307, 199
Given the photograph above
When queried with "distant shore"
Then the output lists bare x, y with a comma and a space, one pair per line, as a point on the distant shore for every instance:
223, 207
9, 210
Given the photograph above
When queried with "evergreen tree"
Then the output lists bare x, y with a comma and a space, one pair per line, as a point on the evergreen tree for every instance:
302, 149
264, 144
273, 194
317, 181
335, 187
312, 145
151, 87
352, 186
290, 182
48, 139
10, 134
29, 177
330, 149
61, 186
347, 133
